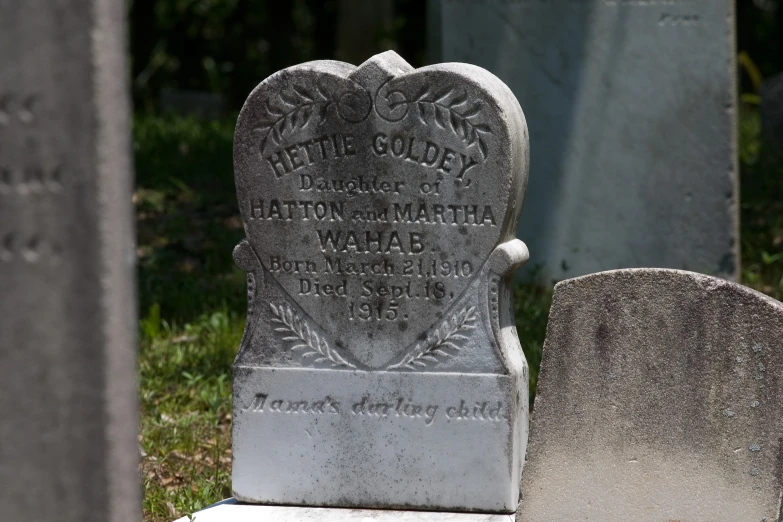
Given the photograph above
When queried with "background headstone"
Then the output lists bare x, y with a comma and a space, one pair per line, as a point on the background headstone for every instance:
660, 397
380, 365
68, 449
632, 115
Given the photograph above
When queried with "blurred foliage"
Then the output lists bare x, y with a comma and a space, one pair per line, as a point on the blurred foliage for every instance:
760, 37
187, 220
229, 46
761, 212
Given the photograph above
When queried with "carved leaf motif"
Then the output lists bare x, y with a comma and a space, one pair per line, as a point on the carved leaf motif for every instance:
467, 130
307, 113
420, 112
323, 93
303, 93
443, 95
289, 100
439, 117
322, 112
473, 111
482, 147
422, 93
271, 110
443, 336
275, 134
435, 108
459, 100
305, 337
299, 105
455, 123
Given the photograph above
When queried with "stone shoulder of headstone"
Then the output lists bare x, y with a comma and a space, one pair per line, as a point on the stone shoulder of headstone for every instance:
660, 397
772, 112
380, 365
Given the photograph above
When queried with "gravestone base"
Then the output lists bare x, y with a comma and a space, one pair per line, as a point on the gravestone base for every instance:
339, 437
231, 511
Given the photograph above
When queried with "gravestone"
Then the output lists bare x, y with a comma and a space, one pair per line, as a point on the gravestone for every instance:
633, 112
380, 366
68, 449
660, 397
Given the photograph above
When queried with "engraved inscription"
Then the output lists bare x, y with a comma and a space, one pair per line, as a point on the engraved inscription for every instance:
21, 108
304, 153
30, 248
30, 180
425, 152
678, 19
369, 299
398, 408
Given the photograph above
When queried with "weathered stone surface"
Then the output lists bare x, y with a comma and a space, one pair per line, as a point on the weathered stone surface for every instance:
660, 398
380, 366
68, 449
230, 511
633, 116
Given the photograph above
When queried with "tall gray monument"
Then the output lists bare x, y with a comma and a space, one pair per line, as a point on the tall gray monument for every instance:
380, 366
660, 397
67, 306
632, 112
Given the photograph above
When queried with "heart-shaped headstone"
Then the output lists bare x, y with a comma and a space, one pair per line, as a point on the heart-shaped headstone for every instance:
373, 196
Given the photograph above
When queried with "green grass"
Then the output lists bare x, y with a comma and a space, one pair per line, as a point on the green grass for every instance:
192, 298
192, 301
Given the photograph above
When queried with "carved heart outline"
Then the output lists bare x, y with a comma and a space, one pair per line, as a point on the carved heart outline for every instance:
386, 89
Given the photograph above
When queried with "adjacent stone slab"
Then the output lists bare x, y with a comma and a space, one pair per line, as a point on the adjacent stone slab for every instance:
633, 116
380, 366
660, 398
231, 511
68, 448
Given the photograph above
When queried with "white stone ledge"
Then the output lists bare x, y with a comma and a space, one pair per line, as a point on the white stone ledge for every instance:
231, 511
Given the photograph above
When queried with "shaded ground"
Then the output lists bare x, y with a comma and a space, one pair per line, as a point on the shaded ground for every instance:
192, 298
